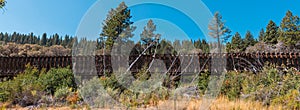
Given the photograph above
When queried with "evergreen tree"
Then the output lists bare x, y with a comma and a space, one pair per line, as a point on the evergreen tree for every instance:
49, 41
30, 38
271, 34
218, 30
66, 41
14, 37
261, 35
237, 42
290, 29
187, 46
44, 40
116, 22
177, 44
248, 41
290, 23
148, 37
229, 47
56, 40
197, 44
6, 37
205, 46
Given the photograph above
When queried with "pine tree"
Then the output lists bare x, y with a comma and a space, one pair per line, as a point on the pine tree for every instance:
116, 22
124, 38
44, 40
148, 37
271, 34
197, 44
237, 42
66, 41
218, 30
6, 37
290, 29
177, 44
261, 35
229, 47
14, 37
290, 23
56, 40
249, 40
187, 46
205, 46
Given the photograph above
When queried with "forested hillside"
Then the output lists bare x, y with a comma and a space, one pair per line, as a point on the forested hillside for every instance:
284, 37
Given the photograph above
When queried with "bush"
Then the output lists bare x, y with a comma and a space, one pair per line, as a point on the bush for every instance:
270, 84
232, 86
203, 82
24, 89
62, 94
291, 100
57, 79
5, 91
94, 94
28, 88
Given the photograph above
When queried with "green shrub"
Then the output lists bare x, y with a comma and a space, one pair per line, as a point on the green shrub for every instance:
62, 94
232, 86
94, 94
291, 100
270, 84
24, 89
5, 91
57, 78
203, 82
27, 88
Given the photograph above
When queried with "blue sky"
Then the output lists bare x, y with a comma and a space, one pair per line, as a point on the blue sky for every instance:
64, 16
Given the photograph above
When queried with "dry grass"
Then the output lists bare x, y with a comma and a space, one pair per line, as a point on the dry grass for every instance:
224, 104
221, 103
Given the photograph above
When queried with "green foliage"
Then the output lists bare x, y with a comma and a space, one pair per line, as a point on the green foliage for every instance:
135, 96
5, 93
201, 44
116, 23
94, 94
229, 47
237, 42
57, 78
148, 36
28, 88
290, 23
261, 36
165, 47
271, 34
249, 40
291, 100
203, 82
290, 29
24, 89
18, 38
232, 85
290, 38
270, 84
62, 93
150, 40
218, 30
